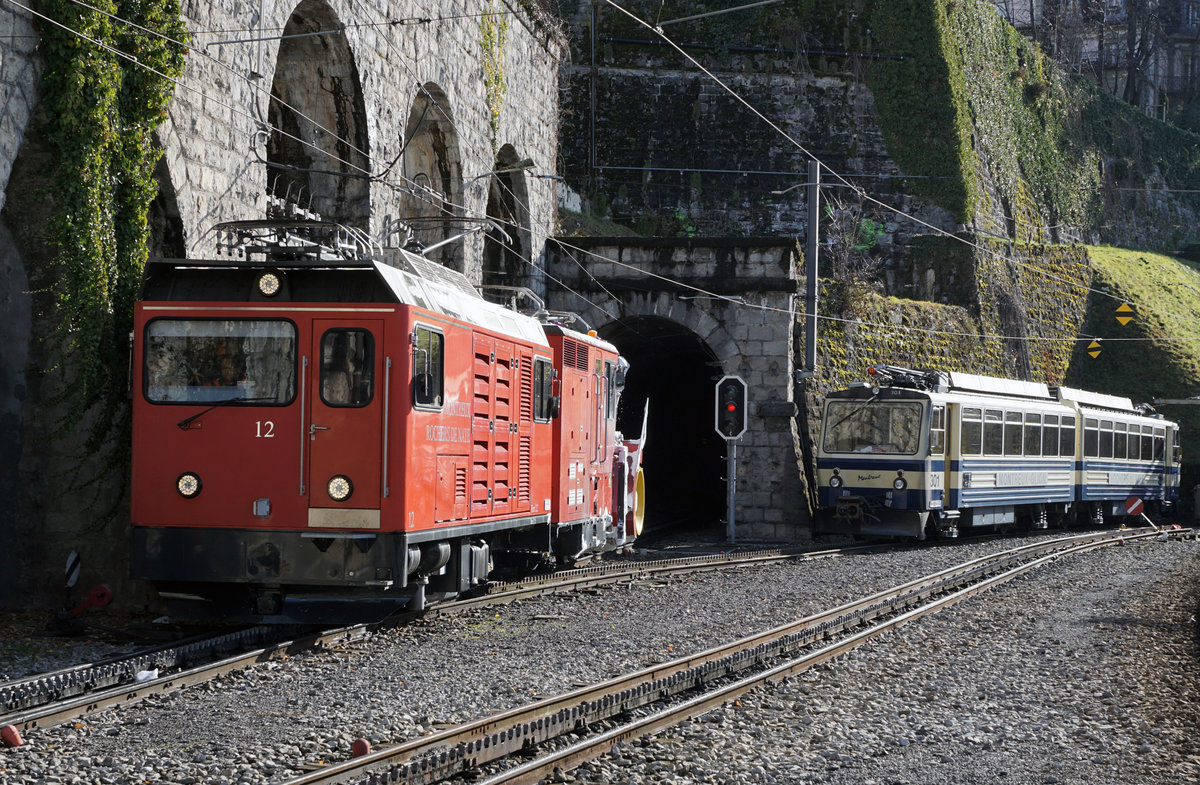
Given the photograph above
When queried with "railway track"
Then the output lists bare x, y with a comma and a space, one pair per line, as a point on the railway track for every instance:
48, 699
587, 722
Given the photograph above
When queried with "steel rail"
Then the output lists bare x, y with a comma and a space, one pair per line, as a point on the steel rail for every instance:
42, 700
127, 694
468, 746
591, 748
38, 689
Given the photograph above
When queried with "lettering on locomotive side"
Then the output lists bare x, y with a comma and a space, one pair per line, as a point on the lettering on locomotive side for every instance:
868, 477
457, 409
1131, 478
1017, 479
446, 433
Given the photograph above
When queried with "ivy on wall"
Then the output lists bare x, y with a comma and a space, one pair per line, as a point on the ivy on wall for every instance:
102, 110
493, 28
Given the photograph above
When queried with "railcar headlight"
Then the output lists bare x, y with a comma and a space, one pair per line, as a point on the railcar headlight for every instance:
188, 485
269, 284
340, 488
835, 482
899, 483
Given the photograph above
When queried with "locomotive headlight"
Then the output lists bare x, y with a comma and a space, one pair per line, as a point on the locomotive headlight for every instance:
188, 485
899, 483
835, 482
269, 284
340, 488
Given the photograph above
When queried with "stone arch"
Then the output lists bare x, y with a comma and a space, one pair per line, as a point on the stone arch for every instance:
433, 167
168, 238
673, 367
317, 152
507, 246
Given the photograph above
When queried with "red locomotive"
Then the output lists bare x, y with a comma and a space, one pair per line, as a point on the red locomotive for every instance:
322, 433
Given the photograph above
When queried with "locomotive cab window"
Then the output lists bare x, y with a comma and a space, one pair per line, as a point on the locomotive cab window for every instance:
347, 368
241, 361
428, 367
873, 426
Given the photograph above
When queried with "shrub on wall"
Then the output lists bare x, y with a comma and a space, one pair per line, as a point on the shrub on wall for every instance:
102, 110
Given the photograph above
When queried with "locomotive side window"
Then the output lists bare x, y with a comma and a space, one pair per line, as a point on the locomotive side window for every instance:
1050, 436
428, 367
1148, 444
972, 432
1135, 442
937, 430
873, 427
993, 432
243, 361
543, 390
1066, 436
1120, 440
347, 367
1160, 443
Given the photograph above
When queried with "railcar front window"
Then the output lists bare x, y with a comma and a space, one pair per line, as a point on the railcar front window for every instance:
244, 361
873, 426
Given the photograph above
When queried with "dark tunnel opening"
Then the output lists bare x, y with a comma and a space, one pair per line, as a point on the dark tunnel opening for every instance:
684, 462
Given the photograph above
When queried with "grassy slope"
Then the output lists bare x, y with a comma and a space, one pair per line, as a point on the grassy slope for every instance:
1165, 360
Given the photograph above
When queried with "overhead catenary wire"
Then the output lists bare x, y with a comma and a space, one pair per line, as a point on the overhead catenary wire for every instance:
698, 290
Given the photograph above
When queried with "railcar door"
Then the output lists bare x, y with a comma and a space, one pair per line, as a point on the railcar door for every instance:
346, 391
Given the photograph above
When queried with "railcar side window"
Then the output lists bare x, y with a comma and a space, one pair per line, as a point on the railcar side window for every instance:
347, 367
972, 432
1033, 434
1106, 438
1066, 437
1147, 443
873, 426
937, 430
1160, 443
428, 367
1012, 433
993, 432
1135, 442
543, 390
1120, 440
1050, 435
1091, 438
243, 361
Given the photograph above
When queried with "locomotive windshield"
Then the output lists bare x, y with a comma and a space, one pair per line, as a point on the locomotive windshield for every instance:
873, 426
212, 360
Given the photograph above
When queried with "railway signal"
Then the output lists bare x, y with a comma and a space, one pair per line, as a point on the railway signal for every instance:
731, 407
1124, 313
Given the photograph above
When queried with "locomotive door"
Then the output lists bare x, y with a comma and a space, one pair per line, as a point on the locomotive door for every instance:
345, 395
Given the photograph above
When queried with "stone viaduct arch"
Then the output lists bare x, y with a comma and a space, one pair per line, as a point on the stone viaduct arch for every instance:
507, 252
317, 148
433, 172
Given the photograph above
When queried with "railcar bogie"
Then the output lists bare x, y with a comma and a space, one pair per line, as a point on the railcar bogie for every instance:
920, 452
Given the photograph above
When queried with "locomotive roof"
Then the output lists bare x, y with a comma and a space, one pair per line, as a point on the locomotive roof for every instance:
400, 276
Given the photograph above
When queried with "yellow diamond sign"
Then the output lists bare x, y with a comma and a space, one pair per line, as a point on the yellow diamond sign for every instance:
1124, 313
1094, 349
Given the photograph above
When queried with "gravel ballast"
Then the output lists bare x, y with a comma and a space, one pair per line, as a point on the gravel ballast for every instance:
1083, 671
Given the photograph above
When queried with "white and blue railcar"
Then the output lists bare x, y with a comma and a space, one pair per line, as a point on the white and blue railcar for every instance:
916, 451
